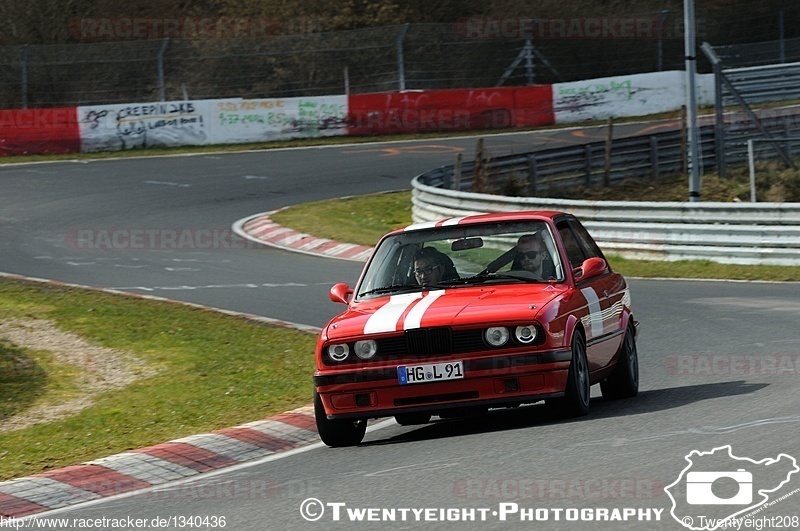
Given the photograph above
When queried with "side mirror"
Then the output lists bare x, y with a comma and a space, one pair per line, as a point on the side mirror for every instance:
341, 292
591, 267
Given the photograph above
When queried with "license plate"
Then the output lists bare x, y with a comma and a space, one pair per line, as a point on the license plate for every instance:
430, 372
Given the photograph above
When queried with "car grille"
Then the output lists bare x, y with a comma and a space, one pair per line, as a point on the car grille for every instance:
429, 341
423, 343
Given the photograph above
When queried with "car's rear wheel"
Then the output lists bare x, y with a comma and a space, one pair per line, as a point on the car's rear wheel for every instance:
337, 432
623, 382
575, 402
412, 419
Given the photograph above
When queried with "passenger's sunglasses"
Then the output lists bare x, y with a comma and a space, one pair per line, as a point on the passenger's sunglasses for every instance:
530, 255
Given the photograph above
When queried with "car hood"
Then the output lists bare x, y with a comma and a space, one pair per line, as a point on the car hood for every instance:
445, 307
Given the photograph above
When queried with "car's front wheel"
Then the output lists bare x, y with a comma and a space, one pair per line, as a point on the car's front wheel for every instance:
337, 432
623, 382
575, 402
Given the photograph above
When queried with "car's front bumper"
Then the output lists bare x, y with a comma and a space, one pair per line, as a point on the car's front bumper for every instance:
494, 381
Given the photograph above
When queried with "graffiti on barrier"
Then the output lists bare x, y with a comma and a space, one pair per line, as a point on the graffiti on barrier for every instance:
123, 127
237, 120
635, 95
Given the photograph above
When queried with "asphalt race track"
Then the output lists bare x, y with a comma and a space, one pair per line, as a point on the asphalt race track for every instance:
720, 361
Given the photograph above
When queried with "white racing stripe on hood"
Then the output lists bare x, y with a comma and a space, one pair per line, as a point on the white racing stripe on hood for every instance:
414, 317
386, 317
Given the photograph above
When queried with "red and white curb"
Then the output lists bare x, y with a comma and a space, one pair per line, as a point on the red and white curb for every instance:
260, 228
155, 465
162, 463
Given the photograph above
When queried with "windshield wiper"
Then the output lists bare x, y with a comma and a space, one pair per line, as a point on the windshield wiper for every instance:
524, 276
393, 287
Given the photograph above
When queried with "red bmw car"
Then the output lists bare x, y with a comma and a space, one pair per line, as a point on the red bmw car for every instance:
454, 317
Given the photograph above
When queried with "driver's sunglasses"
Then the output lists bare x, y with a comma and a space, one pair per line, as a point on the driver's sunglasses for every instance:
427, 270
530, 255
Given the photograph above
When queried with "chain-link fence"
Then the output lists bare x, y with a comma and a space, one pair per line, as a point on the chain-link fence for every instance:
464, 54
759, 53
410, 56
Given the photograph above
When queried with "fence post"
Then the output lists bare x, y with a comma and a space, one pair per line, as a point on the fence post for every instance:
24, 66
752, 167
457, 173
532, 178
781, 37
719, 111
160, 63
588, 163
609, 143
654, 157
480, 179
684, 155
662, 19
401, 69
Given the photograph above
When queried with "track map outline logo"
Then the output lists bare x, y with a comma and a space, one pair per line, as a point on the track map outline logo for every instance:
720, 490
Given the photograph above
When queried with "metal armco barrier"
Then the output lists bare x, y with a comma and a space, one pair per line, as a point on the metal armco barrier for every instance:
638, 157
777, 82
733, 233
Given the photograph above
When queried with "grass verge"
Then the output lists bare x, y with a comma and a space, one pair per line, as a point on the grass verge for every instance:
363, 220
204, 371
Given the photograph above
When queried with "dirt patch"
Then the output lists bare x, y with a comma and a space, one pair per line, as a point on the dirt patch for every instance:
101, 369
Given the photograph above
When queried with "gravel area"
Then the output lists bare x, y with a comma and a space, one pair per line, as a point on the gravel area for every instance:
102, 369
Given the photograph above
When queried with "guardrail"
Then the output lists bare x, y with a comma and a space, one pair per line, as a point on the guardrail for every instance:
735, 233
585, 164
777, 82
590, 164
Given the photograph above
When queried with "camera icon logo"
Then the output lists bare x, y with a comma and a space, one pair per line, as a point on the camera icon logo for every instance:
699, 488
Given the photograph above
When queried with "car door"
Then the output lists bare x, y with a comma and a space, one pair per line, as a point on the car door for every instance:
602, 294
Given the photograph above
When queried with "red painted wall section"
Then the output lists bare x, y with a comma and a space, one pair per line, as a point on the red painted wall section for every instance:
533, 106
39, 131
450, 110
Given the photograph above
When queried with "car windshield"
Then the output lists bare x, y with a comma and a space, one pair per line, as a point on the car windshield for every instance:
456, 256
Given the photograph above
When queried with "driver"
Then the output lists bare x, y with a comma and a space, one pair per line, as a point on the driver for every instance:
531, 255
431, 266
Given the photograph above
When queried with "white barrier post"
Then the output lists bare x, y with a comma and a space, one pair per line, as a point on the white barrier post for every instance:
751, 162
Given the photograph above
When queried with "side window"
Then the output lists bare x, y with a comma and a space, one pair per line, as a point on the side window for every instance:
589, 246
573, 248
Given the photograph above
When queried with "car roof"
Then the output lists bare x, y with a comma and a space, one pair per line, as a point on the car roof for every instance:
533, 215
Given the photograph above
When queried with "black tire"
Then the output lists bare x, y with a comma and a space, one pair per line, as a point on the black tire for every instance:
336, 433
623, 382
575, 402
412, 419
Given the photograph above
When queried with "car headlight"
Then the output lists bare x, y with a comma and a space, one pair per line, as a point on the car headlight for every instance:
496, 336
366, 349
339, 352
525, 334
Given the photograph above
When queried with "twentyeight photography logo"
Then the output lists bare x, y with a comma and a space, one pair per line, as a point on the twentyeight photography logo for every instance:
719, 490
